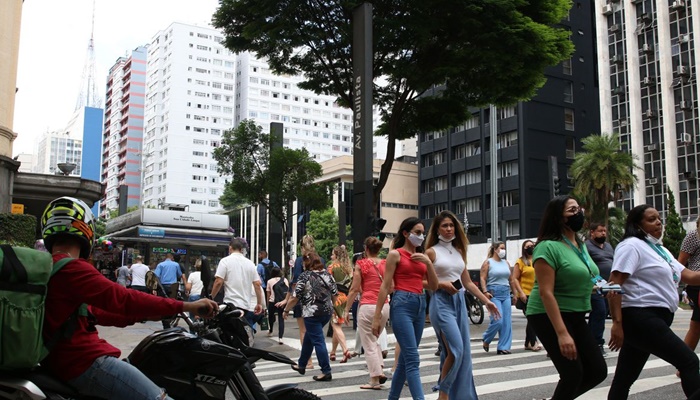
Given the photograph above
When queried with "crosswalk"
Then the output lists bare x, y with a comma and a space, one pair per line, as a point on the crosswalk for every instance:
521, 375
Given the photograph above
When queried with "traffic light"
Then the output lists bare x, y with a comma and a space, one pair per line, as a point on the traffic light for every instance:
375, 228
557, 185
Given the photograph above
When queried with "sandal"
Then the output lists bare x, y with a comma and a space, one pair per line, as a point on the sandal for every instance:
332, 356
505, 352
382, 379
485, 346
535, 347
346, 356
372, 386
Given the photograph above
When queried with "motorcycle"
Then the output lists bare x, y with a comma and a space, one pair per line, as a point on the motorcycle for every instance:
197, 365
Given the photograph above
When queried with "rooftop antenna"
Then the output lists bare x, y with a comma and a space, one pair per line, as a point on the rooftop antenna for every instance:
88, 90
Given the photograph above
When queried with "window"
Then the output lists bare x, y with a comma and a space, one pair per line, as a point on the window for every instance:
507, 169
507, 139
569, 92
467, 177
508, 199
468, 205
473, 148
459, 152
568, 119
566, 67
213, 203
433, 185
570, 148
434, 159
431, 211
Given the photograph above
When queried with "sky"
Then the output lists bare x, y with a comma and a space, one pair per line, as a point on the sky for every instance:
53, 50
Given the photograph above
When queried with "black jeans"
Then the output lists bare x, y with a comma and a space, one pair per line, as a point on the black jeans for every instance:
596, 319
647, 331
578, 376
530, 335
271, 311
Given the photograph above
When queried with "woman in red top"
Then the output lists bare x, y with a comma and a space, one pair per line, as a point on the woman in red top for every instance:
367, 279
408, 270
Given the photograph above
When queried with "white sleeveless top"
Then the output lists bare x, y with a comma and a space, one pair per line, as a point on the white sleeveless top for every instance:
448, 262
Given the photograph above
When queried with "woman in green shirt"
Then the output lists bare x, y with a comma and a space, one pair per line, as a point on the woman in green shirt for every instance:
565, 275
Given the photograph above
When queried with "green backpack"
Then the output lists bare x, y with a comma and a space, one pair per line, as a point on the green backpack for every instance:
24, 276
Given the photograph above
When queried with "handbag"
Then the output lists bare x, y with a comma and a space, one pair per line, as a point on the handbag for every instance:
520, 305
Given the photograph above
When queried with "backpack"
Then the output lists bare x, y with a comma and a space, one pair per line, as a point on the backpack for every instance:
24, 278
267, 267
280, 290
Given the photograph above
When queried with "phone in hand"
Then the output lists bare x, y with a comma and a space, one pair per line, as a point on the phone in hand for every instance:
457, 284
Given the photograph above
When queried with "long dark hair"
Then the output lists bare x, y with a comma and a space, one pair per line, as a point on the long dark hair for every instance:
406, 226
460, 243
634, 218
552, 225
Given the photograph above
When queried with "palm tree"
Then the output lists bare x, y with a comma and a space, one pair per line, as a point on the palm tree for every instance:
601, 172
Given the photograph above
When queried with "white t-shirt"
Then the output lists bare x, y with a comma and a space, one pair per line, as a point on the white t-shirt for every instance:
650, 283
195, 279
448, 262
138, 274
238, 274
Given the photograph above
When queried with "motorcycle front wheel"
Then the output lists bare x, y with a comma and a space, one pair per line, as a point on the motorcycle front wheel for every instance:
476, 311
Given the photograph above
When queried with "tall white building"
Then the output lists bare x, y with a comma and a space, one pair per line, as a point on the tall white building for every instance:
196, 89
649, 94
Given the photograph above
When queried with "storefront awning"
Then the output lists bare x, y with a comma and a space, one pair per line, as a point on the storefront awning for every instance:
171, 236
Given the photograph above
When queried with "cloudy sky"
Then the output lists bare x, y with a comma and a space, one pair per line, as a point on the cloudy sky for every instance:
53, 50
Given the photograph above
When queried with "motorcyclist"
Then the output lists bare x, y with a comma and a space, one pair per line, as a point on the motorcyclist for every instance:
81, 358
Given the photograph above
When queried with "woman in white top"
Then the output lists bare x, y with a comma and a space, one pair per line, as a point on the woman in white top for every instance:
446, 246
272, 309
642, 315
194, 285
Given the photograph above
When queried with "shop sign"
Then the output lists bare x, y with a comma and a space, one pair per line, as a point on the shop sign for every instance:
168, 250
17, 208
151, 232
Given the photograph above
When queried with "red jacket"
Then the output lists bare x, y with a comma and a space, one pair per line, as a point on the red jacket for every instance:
79, 282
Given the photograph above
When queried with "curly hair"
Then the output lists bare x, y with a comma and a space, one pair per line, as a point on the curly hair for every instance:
342, 258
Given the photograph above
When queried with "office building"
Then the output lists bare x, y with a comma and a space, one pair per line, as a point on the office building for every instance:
123, 131
455, 163
649, 95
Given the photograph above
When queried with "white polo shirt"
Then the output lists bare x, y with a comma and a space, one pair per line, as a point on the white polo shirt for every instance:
238, 274
650, 283
138, 274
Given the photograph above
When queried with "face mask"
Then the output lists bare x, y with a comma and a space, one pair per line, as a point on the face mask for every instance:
575, 222
501, 254
600, 240
651, 238
415, 239
442, 239
529, 251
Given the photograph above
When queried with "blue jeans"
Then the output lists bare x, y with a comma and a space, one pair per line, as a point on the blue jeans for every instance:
448, 315
407, 320
253, 319
315, 339
503, 326
596, 319
194, 297
110, 378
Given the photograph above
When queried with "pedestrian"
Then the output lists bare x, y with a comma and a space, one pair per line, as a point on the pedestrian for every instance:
238, 275
495, 277
602, 255
264, 268
123, 275
649, 276
446, 246
367, 279
308, 246
277, 288
523, 282
169, 274
406, 269
341, 269
689, 256
138, 274
565, 275
316, 290
194, 285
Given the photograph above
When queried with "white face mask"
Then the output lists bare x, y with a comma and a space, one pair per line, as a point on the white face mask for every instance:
442, 239
415, 240
501, 254
652, 239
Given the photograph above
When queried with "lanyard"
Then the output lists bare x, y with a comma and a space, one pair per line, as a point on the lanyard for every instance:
665, 256
580, 255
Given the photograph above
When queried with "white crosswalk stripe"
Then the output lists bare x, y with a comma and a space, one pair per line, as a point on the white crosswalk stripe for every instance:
495, 375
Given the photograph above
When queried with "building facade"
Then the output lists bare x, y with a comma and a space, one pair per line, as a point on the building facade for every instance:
649, 95
122, 135
455, 164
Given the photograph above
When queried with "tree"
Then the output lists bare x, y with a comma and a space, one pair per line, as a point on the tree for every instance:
674, 233
475, 52
601, 172
273, 178
100, 227
323, 226
230, 200
616, 225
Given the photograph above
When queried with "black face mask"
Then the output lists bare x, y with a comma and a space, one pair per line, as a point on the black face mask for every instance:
575, 222
600, 240
528, 251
